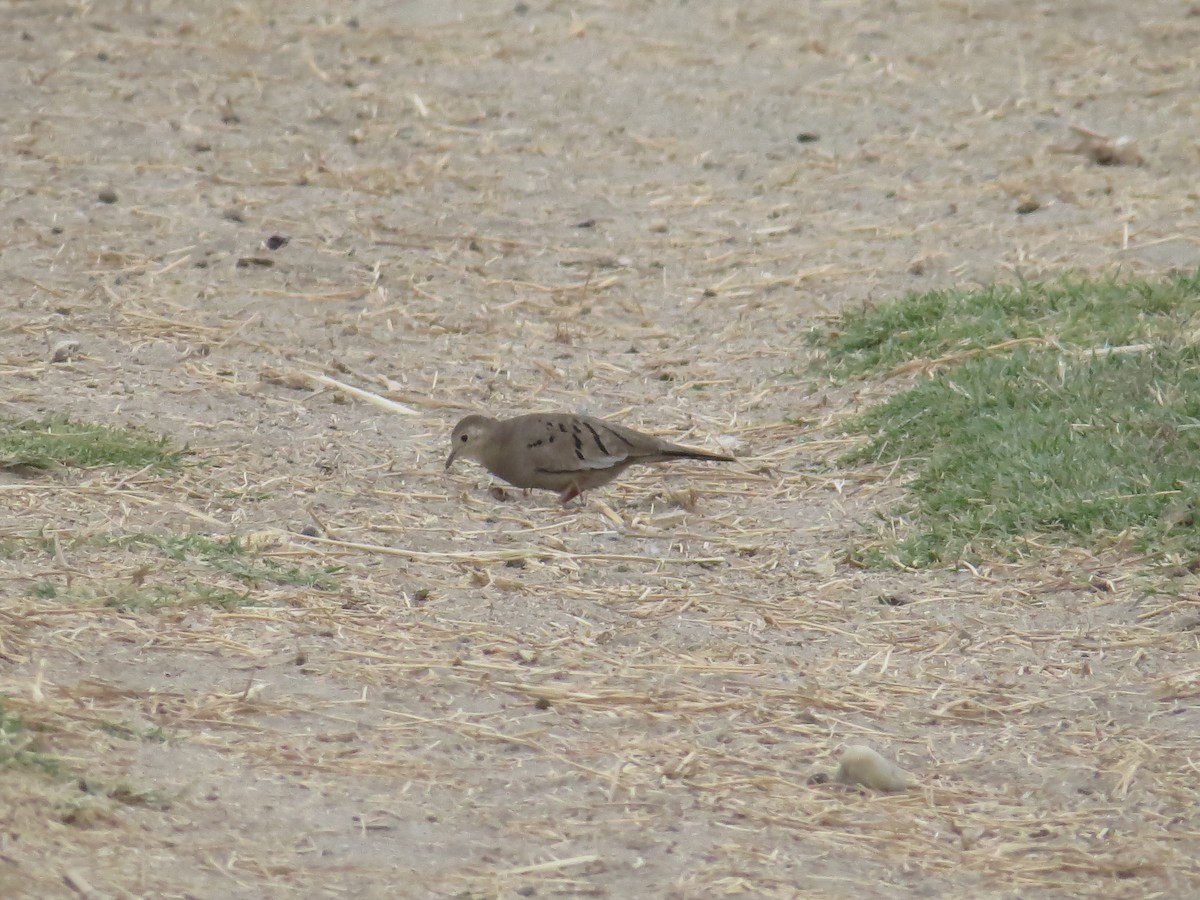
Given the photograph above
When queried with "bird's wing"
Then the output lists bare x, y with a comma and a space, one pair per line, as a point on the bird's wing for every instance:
563, 443
628, 444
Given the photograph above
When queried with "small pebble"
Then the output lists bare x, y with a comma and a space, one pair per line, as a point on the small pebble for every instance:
108, 195
63, 351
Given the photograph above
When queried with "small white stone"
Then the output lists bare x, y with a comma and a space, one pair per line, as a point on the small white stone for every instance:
63, 351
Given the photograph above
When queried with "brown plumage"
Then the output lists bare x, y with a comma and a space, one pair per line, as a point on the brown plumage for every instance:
561, 452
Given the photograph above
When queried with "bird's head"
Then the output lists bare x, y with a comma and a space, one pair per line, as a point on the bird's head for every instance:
469, 439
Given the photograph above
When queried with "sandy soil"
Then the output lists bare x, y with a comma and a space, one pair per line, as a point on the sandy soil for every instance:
633, 209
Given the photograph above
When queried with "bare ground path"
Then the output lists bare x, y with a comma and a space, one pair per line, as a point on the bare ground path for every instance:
634, 209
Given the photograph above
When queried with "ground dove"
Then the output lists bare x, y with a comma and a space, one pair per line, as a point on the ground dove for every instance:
560, 452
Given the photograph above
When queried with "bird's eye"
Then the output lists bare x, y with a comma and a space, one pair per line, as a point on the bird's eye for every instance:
463, 438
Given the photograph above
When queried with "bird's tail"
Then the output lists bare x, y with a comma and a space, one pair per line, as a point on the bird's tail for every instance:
676, 452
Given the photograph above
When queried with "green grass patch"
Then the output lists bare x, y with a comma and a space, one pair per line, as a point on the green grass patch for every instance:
130, 598
45, 590
57, 441
96, 802
128, 794
1073, 312
137, 598
231, 557
82, 801
180, 570
1065, 443
225, 555
122, 732
19, 747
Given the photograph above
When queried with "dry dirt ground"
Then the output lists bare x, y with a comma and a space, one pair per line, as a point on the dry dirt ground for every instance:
635, 209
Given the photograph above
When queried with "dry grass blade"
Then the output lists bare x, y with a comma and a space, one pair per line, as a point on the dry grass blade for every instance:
359, 393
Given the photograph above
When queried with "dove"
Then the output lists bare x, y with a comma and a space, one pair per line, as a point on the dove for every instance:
561, 452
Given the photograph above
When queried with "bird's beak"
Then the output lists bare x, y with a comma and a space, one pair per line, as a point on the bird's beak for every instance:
453, 456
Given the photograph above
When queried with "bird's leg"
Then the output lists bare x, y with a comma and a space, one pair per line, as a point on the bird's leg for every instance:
570, 494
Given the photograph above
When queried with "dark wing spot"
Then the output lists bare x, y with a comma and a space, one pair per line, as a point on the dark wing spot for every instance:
578, 447
550, 440
562, 427
628, 443
596, 437
537, 443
